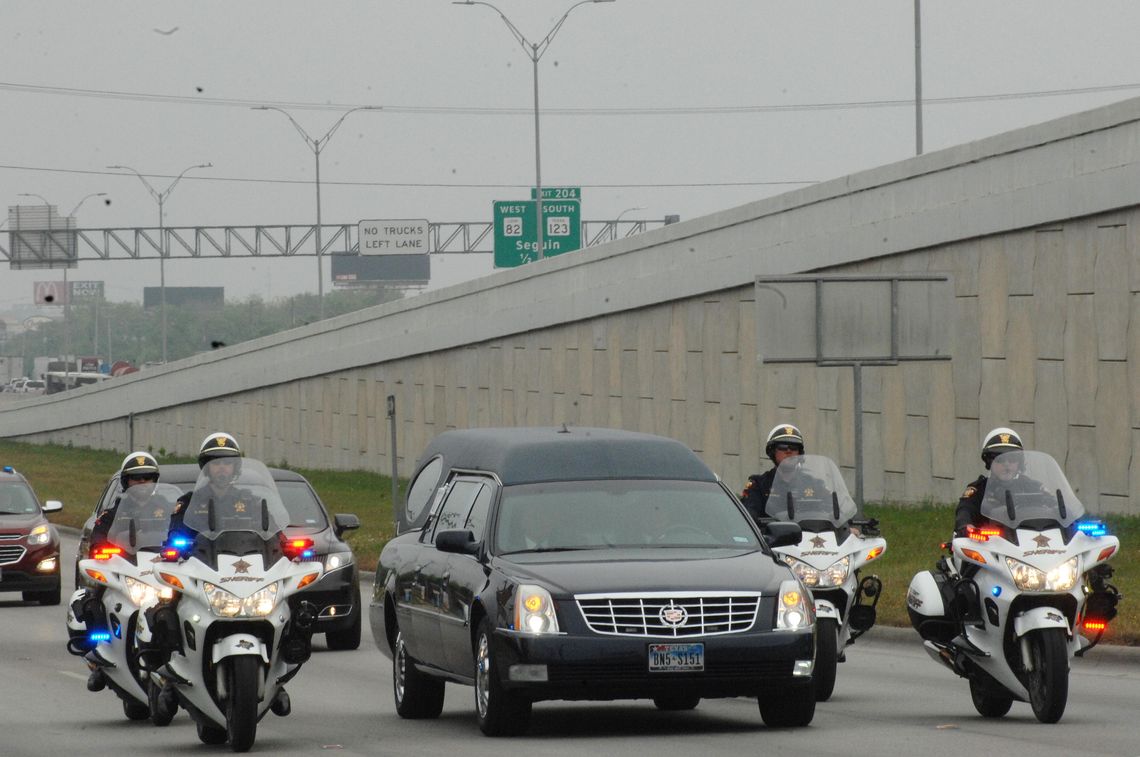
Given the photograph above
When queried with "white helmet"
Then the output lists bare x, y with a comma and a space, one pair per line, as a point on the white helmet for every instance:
785, 433
997, 441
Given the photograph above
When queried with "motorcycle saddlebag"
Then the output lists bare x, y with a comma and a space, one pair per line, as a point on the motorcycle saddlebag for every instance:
926, 606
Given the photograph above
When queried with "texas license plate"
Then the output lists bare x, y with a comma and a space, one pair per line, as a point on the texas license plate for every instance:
671, 658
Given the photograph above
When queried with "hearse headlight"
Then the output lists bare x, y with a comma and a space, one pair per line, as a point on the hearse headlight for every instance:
793, 607
534, 610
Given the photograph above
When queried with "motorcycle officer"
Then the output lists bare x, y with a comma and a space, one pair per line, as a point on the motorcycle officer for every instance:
220, 458
138, 476
998, 441
783, 441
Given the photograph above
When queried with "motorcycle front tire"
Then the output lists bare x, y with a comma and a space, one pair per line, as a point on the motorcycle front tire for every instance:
826, 658
241, 704
1048, 680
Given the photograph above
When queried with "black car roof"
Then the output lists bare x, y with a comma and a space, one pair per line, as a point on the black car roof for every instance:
532, 455
187, 473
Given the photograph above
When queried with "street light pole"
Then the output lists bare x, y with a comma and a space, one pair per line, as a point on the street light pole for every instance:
95, 338
619, 215
160, 198
316, 145
917, 78
534, 51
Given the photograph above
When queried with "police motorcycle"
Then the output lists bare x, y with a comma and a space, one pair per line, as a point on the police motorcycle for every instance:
234, 633
102, 630
1007, 606
835, 546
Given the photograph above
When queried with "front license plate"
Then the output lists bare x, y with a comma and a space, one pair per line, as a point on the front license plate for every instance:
670, 658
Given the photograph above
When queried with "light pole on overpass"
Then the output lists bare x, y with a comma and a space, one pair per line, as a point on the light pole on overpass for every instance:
316, 145
160, 198
534, 51
618, 219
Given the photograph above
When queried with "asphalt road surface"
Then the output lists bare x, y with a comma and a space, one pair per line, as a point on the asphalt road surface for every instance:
890, 699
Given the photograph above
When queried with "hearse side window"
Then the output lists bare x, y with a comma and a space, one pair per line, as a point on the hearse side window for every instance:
421, 490
460, 496
477, 519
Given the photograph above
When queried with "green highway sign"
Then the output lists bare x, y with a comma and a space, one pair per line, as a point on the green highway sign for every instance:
516, 227
558, 193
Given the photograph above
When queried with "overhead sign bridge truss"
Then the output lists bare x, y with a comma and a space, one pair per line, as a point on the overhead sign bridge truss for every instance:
43, 248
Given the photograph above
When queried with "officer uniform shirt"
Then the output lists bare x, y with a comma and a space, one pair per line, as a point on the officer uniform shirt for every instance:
155, 507
759, 488
756, 491
969, 510
231, 501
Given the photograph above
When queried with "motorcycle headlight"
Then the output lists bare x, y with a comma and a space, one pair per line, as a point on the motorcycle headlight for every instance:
228, 605
141, 594
1027, 578
534, 610
813, 578
39, 535
793, 609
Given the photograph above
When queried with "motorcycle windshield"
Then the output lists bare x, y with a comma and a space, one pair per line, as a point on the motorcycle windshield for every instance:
1029, 486
235, 494
810, 488
142, 517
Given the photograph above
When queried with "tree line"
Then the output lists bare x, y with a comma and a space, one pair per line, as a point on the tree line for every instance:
127, 331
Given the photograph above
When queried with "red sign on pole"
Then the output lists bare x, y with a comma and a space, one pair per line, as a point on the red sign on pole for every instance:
49, 293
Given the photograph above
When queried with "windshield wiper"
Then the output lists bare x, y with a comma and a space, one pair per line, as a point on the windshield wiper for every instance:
551, 549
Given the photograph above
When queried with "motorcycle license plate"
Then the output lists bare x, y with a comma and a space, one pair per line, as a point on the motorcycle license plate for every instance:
673, 658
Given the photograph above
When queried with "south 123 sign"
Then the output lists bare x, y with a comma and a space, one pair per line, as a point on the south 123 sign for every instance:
516, 226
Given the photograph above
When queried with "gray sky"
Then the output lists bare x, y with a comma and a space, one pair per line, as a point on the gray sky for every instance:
633, 93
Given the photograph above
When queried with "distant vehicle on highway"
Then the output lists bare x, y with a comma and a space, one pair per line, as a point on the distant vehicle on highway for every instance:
33, 386
58, 381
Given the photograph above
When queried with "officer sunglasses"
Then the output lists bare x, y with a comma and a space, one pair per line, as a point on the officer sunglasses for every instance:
786, 447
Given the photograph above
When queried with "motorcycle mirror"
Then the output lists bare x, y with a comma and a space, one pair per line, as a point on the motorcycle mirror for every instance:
1009, 506
1061, 505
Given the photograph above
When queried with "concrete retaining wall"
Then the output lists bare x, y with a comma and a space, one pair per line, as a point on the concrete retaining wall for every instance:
659, 333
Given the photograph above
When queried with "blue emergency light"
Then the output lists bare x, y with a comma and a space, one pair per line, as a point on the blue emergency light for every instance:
1092, 528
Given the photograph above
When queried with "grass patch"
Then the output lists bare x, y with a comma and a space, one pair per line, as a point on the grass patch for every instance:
913, 532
